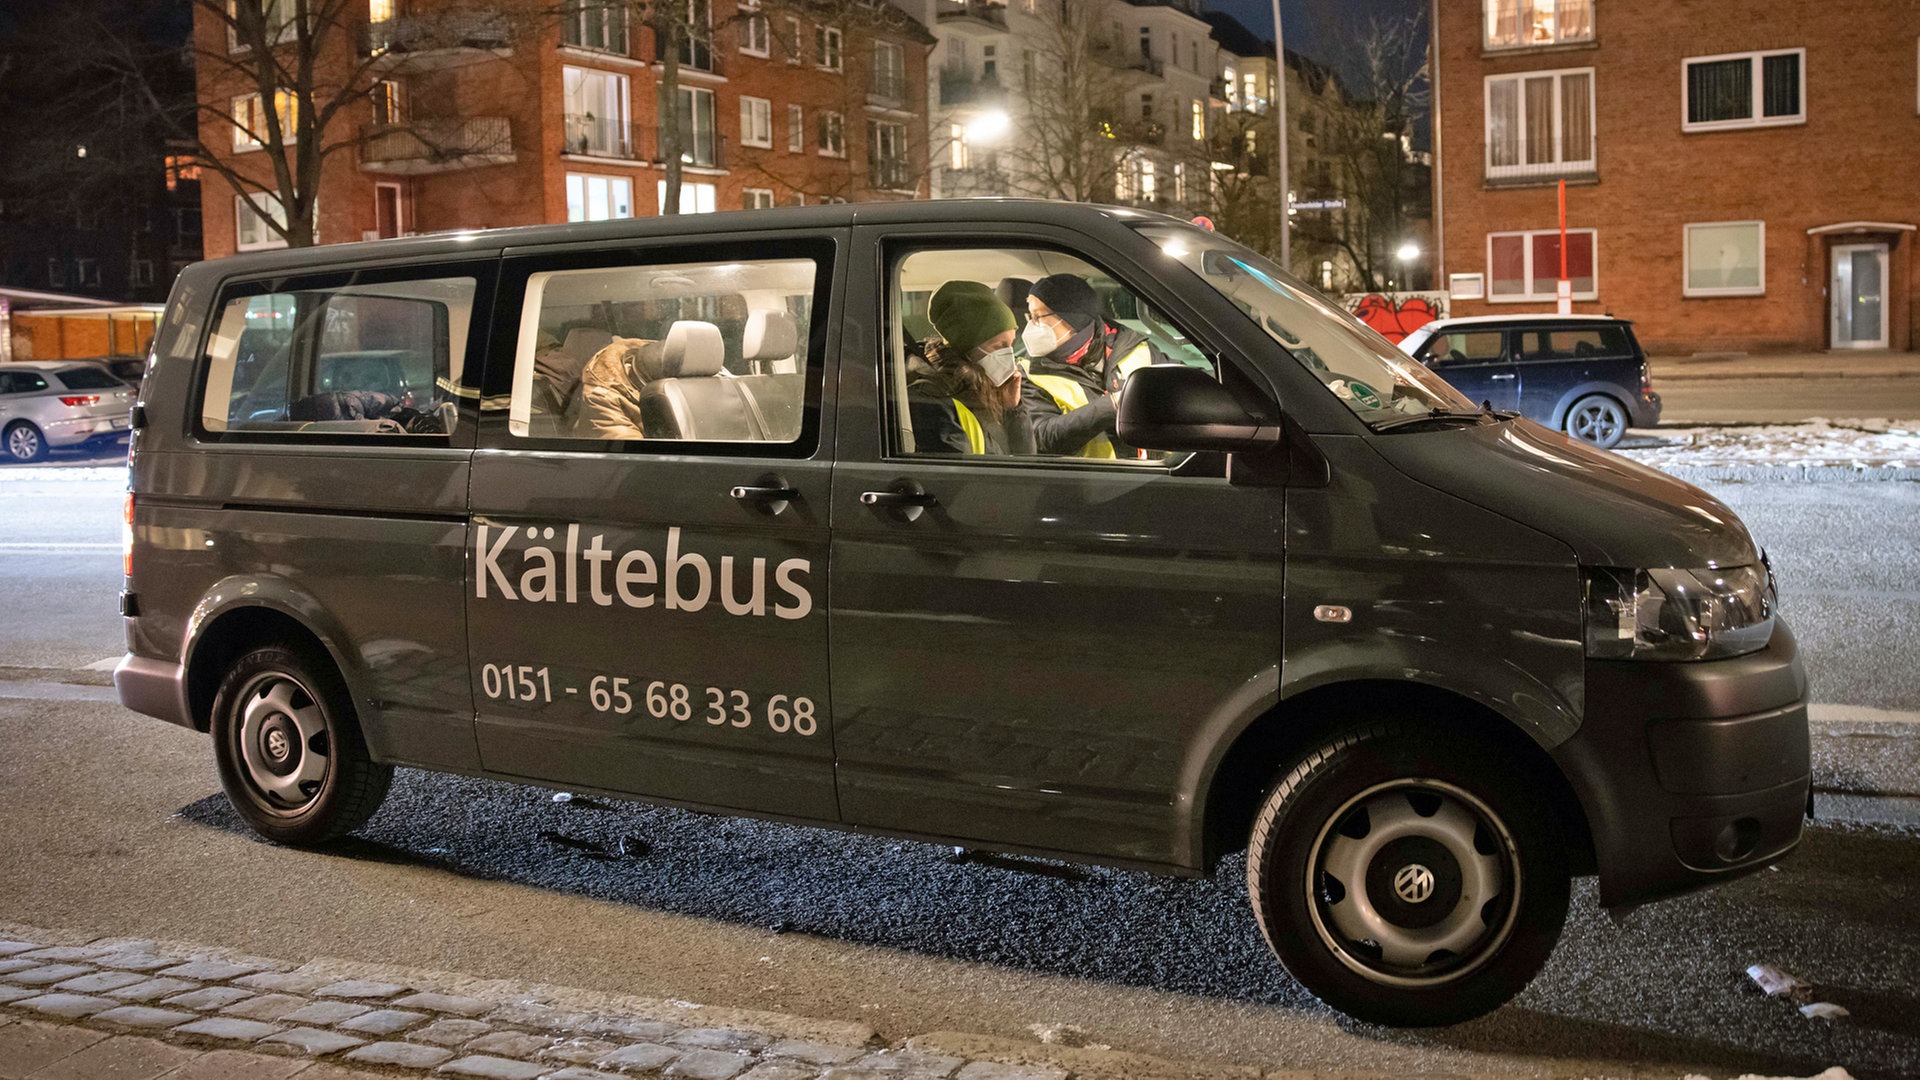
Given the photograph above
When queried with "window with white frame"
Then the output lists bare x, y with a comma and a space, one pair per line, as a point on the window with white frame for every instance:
598, 198
756, 122
1199, 119
1540, 124
1741, 90
888, 78
251, 231
796, 129
887, 168
699, 128
389, 102
599, 25
1515, 24
827, 51
596, 112
958, 154
276, 16
833, 135
756, 198
694, 198
792, 42
756, 37
1525, 266
250, 121
1726, 258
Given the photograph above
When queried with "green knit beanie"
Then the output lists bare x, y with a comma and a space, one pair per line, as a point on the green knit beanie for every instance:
967, 313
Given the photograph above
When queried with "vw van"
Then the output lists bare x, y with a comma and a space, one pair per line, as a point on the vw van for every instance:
640, 508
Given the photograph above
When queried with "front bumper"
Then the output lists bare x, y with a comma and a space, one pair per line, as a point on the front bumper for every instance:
1691, 773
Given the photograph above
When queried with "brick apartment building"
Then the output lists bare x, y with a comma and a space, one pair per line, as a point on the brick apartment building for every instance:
1741, 175
478, 117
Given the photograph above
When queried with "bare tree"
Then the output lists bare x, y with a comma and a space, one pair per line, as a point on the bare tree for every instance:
1073, 131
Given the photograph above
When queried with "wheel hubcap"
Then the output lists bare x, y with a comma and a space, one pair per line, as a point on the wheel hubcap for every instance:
1414, 882
23, 442
1595, 423
283, 742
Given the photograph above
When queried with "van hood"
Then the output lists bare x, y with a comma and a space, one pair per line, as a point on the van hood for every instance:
1611, 511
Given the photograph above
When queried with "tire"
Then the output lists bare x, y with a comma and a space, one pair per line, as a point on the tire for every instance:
23, 442
1409, 821
1597, 419
289, 748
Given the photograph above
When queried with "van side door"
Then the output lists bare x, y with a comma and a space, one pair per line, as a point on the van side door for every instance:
647, 586
1024, 647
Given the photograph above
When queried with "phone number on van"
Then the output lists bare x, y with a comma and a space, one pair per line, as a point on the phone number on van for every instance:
616, 696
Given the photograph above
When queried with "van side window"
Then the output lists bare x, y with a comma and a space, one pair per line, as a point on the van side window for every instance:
369, 359
1018, 352
690, 352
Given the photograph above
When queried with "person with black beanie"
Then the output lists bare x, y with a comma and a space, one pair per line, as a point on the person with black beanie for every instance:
1078, 362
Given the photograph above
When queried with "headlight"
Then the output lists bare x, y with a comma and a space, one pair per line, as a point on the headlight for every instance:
1678, 614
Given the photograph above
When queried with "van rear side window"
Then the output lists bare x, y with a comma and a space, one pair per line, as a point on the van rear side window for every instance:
692, 352
372, 359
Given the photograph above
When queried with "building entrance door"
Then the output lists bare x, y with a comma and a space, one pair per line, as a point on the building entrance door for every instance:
1859, 301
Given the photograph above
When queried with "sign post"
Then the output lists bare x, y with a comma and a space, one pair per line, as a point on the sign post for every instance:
1564, 291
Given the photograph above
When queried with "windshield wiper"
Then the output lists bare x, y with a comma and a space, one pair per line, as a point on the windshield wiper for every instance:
1436, 416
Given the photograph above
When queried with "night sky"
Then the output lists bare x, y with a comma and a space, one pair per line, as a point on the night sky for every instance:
1315, 28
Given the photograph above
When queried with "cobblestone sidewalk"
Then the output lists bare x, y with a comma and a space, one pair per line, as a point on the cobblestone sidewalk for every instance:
140, 1010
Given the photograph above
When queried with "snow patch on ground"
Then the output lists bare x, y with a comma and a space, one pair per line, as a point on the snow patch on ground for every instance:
1816, 442
73, 473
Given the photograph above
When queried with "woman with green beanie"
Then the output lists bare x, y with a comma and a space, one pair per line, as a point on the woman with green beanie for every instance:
966, 396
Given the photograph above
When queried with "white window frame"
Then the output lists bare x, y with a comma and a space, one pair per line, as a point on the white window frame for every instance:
1686, 261
286, 31
830, 45
757, 198
1756, 60
888, 76
1526, 271
836, 123
794, 44
1486, 28
696, 197
1466, 286
796, 129
1563, 166
244, 127
753, 19
756, 122
611, 181
242, 211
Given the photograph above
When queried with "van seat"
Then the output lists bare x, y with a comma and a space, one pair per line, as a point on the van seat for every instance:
768, 343
684, 398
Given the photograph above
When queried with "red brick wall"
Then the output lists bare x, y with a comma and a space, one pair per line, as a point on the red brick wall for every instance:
1856, 158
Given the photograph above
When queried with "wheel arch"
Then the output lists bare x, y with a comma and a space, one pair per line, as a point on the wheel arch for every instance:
242, 613
1251, 762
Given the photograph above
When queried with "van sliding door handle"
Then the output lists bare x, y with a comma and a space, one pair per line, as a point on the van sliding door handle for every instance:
898, 498
767, 494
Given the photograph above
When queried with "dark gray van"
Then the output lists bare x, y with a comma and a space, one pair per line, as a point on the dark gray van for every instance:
641, 508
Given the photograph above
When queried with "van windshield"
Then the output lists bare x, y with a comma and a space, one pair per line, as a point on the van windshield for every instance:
1379, 383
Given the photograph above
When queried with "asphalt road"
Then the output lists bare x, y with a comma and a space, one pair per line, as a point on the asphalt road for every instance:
119, 825
1768, 400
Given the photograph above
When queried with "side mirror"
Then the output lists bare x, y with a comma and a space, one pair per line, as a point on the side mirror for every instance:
1176, 407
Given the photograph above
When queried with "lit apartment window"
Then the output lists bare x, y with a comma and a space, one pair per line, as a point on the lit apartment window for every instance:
957, 154
595, 24
596, 116
1726, 258
827, 48
756, 36
1199, 120
389, 102
887, 156
1513, 24
251, 232
699, 135
598, 198
1540, 123
756, 122
833, 135
756, 198
1745, 90
1525, 266
694, 198
181, 168
796, 129
889, 74
250, 121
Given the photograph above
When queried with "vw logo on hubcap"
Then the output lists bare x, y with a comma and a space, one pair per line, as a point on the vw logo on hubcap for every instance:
1413, 883
278, 747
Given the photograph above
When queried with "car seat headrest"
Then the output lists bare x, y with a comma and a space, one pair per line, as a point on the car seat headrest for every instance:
770, 335
692, 349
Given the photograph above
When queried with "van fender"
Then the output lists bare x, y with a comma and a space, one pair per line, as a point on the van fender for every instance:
275, 593
1610, 389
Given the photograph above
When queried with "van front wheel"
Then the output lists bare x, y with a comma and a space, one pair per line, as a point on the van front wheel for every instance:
1408, 881
289, 750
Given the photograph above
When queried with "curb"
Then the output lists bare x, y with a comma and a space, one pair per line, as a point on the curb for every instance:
1805, 474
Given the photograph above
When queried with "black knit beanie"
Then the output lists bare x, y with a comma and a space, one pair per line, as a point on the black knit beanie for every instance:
1070, 297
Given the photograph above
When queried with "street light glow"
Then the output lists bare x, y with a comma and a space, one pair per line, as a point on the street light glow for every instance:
1408, 252
989, 126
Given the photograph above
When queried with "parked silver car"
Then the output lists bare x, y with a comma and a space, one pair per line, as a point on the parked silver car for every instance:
59, 405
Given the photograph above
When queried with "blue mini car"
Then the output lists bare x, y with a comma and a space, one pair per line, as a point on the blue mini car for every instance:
1581, 374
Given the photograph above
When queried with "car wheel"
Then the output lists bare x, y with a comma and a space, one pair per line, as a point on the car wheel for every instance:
1406, 880
24, 442
1597, 419
289, 749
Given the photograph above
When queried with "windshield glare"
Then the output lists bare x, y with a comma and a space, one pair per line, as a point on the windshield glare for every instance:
1378, 382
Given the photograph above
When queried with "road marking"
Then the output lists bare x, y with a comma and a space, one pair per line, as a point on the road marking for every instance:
52, 691
24, 546
1859, 714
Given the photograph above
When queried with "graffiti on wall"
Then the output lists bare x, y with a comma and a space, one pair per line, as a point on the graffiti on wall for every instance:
1397, 314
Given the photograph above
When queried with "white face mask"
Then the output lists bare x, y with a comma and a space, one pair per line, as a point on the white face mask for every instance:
999, 365
1038, 339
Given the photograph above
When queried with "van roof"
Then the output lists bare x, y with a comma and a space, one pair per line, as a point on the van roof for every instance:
838, 215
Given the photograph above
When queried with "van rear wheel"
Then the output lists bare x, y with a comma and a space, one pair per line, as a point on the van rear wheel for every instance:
1407, 881
289, 748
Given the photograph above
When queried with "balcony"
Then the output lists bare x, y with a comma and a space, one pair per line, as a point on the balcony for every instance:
698, 149
1134, 132
890, 174
962, 88
976, 17
432, 146
966, 183
600, 137
430, 42
1148, 65
887, 93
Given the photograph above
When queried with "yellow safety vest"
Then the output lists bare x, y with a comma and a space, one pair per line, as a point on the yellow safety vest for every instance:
1071, 394
969, 423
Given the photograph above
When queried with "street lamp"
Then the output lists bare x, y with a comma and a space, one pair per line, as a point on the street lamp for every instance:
1407, 252
988, 126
